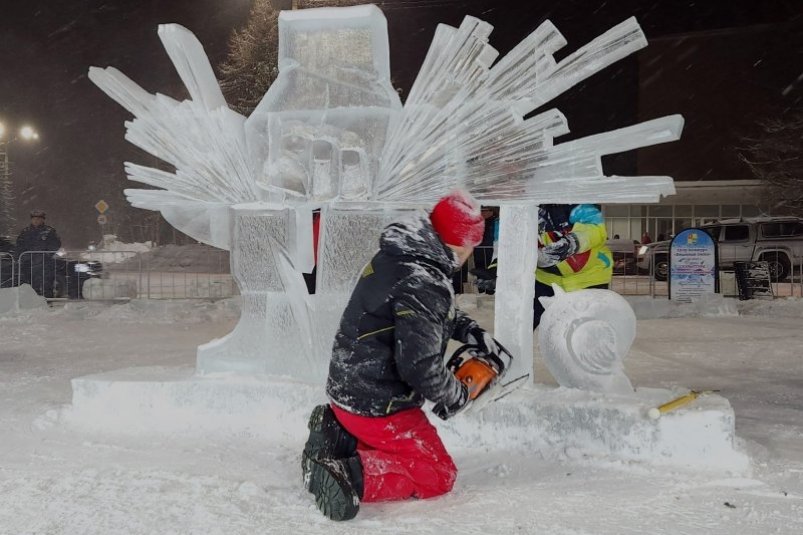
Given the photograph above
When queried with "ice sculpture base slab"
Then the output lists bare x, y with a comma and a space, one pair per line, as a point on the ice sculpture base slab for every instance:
168, 400
577, 424
564, 424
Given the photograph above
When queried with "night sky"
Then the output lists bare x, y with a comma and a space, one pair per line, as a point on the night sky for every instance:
723, 64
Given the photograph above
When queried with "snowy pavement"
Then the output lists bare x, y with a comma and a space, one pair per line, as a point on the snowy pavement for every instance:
56, 479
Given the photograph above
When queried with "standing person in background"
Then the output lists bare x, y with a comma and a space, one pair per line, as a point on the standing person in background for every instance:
37, 268
645, 238
571, 253
484, 252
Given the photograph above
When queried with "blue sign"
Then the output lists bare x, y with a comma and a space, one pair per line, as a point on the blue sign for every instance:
692, 265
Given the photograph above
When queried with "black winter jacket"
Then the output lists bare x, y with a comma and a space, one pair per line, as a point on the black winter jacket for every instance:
41, 238
388, 352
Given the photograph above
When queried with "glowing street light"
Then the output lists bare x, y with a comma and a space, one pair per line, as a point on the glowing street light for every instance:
28, 133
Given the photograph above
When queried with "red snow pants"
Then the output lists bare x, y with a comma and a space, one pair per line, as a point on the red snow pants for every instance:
402, 455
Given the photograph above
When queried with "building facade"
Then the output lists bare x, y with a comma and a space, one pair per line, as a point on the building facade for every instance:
694, 204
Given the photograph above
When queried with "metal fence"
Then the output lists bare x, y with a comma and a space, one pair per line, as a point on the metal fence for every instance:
8, 268
793, 286
202, 272
631, 279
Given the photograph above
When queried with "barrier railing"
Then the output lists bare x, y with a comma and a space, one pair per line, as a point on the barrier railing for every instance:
120, 275
793, 285
7, 270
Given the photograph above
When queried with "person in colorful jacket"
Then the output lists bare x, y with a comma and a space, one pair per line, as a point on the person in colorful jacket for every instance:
571, 253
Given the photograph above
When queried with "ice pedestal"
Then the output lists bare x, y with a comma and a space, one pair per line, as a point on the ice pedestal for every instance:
550, 422
283, 331
267, 338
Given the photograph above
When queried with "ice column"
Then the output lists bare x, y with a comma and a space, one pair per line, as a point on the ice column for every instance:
267, 339
349, 238
515, 286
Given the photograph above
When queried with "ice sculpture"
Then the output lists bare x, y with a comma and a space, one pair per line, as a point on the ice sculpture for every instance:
584, 336
331, 133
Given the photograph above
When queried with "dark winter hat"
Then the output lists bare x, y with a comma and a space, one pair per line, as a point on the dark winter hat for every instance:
457, 219
38, 213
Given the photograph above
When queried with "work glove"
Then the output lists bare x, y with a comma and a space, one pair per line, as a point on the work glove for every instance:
487, 286
558, 251
486, 279
477, 336
445, 412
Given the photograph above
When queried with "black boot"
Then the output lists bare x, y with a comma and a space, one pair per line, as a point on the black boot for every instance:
327, 439
338, 486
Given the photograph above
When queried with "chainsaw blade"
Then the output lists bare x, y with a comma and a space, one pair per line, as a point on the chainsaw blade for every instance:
496, 392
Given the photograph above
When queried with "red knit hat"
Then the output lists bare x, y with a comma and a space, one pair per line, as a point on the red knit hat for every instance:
457, 219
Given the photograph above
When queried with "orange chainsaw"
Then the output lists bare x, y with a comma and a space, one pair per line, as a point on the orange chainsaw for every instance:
483, 373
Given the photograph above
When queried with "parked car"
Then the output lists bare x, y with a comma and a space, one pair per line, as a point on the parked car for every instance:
775, 240
624, 256
71, 274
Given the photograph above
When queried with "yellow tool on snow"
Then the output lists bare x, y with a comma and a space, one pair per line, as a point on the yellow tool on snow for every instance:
656, 412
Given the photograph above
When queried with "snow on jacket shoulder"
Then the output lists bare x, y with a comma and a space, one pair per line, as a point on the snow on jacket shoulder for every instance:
388, 351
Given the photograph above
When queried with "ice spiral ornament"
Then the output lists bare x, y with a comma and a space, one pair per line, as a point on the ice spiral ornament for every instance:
584, 337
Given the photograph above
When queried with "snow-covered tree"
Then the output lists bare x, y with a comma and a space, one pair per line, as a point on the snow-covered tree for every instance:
8, 222
776, 158
251, 65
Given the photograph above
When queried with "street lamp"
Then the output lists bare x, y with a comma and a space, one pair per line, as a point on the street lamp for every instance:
7, 219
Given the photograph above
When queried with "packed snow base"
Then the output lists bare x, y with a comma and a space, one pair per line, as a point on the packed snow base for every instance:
543, 419
57, 478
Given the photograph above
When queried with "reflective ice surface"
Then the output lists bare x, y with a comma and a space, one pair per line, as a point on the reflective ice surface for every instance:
331, 133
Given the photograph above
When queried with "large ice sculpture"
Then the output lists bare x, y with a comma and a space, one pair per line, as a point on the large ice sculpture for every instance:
584, 336
331, 133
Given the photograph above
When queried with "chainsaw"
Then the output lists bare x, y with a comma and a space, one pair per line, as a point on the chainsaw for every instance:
483, 374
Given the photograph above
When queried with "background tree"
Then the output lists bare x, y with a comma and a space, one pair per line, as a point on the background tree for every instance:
251, 65
776, 158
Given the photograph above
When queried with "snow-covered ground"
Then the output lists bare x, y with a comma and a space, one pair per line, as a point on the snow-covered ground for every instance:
57, 479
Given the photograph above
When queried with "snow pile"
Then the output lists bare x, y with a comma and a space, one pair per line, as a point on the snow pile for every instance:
193, 258
790, 307
715, 305
709, 305
61, 479
20, 299
114, 251
136, 311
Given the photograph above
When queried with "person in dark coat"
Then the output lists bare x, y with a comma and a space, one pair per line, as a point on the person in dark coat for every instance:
34, 249
373, 442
